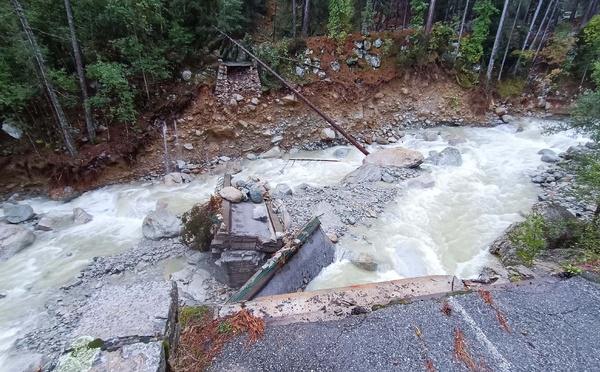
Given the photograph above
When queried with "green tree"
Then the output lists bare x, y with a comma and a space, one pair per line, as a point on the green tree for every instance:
418, 9
340, 19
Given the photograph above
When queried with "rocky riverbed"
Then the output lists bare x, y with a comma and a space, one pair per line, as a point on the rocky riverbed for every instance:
351, 197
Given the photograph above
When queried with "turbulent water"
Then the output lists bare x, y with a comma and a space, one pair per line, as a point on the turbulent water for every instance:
446, 229
57, 257
443, 229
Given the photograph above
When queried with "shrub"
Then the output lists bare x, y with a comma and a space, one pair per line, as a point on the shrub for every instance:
199, 224
510, 87
114, 97
529, 238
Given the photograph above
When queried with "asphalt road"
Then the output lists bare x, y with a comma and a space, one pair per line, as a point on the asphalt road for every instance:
552, 326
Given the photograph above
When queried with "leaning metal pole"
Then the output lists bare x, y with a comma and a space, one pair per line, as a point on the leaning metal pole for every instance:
329, 120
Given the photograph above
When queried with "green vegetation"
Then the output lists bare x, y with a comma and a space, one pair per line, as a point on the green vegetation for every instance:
472, 47
529, 238
199, 224
225, 328
512, 87
189, 314
340, 19
418, 9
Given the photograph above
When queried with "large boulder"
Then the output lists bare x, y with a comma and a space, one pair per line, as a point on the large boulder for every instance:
231, 194
161, 223
448, 156
256, 192
364, 261
13, 239
17, 213
395, 157
54, 222
557, 232
81, 217
364, 173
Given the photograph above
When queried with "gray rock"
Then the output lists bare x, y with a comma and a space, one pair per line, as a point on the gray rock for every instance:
175, 178
546, 152
17, 213
12, 130
487, 276
335, 65
299, 71
395, 157
373, 60
81, 217
550, 158
54, 222
188, 146
327, 134
161, 223
341, 153
450, 156
364, 261
351, 61
378, 43
13, 239
507, 118
501, 111
386, 177
256, 192
259, 213
274, 152
237, 97
281, 190
251, 156
364, 173
231, 194
186, 75
276, 139
430, 136
382, 140
367, 45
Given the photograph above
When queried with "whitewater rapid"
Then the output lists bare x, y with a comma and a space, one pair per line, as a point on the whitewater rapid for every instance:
447, 229
441, 230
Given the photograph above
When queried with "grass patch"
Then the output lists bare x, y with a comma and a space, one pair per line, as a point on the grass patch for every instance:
510, 88
189, 314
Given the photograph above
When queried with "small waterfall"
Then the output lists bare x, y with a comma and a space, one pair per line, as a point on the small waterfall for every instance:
165, 148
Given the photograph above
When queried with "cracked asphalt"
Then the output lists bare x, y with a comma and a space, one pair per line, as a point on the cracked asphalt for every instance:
552, 326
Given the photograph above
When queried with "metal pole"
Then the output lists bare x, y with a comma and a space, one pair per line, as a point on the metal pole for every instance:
351, 139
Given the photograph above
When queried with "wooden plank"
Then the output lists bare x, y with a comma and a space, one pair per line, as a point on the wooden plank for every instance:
266, 272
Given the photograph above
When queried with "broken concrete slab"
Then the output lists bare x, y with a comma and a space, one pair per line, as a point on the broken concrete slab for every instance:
330, 304
139, 357
125, 312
